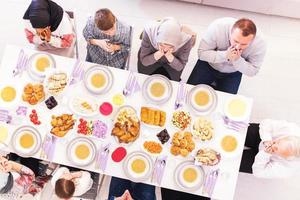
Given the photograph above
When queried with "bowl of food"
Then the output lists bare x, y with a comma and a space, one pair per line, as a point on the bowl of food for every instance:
237, 108
202, 129
202, 99
207, 157
126, 125
98, 80
39, 63
157, 89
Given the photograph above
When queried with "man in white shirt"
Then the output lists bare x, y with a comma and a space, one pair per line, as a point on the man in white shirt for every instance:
274, 147
228, 49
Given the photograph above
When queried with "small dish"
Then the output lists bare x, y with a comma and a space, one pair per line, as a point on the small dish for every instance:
237, 109
56, 82
230, 144
81, 151
84, 106
202, 129
10, 94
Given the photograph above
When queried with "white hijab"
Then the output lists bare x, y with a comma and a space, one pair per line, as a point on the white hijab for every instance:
167, 31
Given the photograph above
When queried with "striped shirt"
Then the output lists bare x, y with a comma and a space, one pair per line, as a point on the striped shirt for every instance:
99, 55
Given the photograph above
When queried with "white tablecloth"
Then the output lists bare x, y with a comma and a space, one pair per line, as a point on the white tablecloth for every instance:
229, 167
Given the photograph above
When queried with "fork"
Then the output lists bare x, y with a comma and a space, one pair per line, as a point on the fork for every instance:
77, 73
21, 63
234, 125
126, 90
181, 95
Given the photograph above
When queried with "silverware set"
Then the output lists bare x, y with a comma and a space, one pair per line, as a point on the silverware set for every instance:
22, 64
210, 182
234, 125
131, 84
48, 147
4, 116
77, 73
159, 168
102, 157
181, 95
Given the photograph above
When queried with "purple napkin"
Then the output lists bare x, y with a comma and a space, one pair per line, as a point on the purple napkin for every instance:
49, 146
102, 157
159, 169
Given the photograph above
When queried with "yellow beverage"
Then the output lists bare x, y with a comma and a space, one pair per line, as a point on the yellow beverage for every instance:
98, 80
201, 98
118, 99
190, 175
157, 89
138, 166
82, 151
42, 63
229, 143
3, 133
237, 108
26, 140
8, 94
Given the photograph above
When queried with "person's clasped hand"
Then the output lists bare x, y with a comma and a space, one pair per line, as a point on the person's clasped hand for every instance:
233, 53
45, 35
169, 55
104, 44
126, 196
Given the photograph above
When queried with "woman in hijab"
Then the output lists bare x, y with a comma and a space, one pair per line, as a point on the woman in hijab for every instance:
165, 49
48, 27
273, 149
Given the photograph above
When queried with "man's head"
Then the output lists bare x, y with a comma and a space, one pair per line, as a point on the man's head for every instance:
64, 188
242, 33
105, 21
287, 147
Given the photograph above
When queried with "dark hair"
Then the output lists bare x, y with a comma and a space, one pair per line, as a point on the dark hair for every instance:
64, 188
246, 25
9, 184
104, 19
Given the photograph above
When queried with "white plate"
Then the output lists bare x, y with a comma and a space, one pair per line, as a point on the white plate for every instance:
138, 176
71, 148
178, 176
99, 69
115, 120
152, 154
153, 126
164, 81
193, 131
18, 133
242, 114
75, 106
236, 151
17, 98
210, 107
33, 72
51, 72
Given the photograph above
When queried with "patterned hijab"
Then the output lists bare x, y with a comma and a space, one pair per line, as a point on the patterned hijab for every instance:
167, 31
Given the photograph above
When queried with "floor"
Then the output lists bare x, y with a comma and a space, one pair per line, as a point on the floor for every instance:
274, 89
